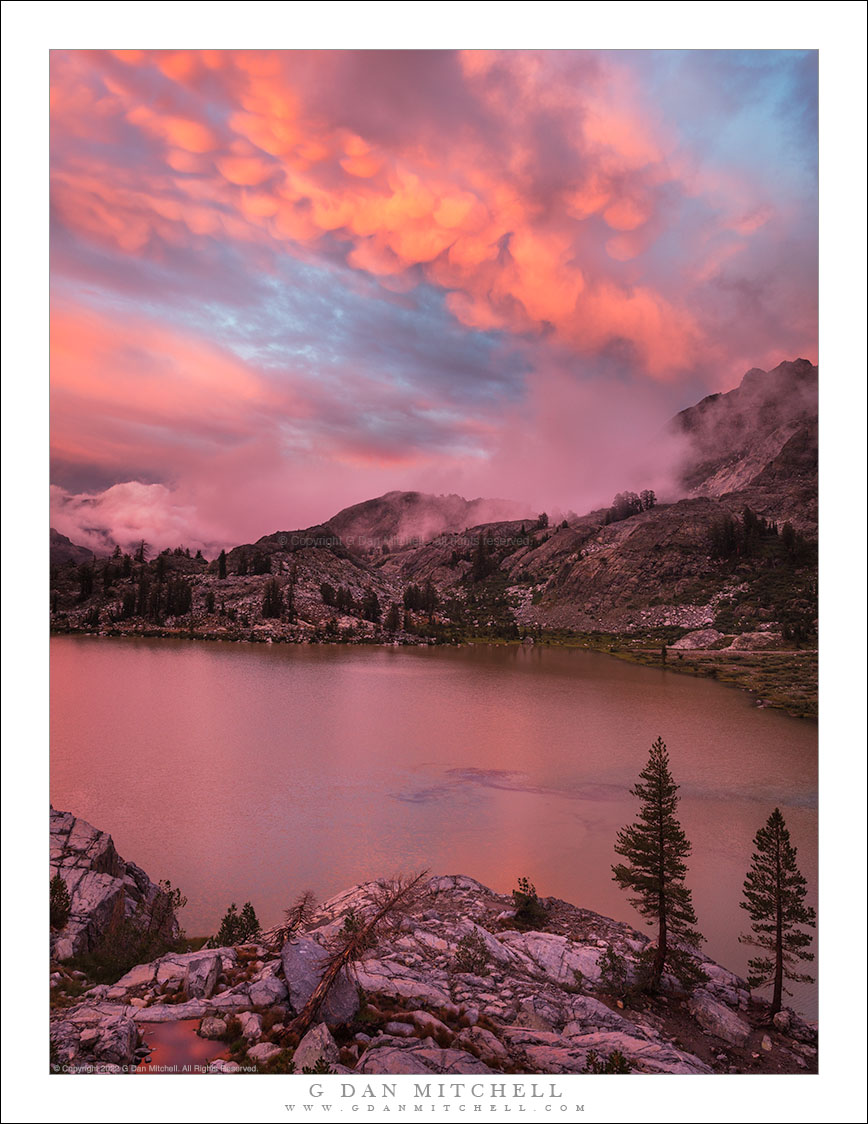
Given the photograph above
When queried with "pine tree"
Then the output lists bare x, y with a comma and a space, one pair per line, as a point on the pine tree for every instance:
774, 890
393, 618
221, 565
272, 601
59, 903
237, 928
655, 848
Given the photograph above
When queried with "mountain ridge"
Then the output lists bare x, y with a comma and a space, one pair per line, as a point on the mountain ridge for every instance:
733, 561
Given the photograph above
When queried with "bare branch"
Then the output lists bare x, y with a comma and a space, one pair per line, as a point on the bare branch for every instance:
391, 903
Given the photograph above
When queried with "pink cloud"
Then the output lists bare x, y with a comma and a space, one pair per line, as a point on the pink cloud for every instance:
401, 207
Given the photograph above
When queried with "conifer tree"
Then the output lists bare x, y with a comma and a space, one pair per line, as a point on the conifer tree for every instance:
59, 903
655, 847
774, 891
272, 601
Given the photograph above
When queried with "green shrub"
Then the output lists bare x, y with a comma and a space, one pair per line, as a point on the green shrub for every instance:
614, 976
137, 939
472, 955
59, 903
530, 913
352, 929
614, 1063
319, 1066
238, 928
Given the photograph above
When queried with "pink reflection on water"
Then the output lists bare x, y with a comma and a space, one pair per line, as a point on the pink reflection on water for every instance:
176, 1045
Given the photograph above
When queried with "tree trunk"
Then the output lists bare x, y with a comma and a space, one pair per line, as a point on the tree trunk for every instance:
660, 955
777, 996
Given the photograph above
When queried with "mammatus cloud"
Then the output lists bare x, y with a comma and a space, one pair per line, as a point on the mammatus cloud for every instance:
303, 271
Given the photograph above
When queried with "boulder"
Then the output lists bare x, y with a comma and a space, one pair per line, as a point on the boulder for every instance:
317, 1043
390, 977
484, 1044
559, 959
173, 1012
428, 1024
303, 964
717, 1019
251, 1025
200, 978
263, 1053
105, 1037
267, 991
212, 1027
223, 1065
757, 641
701, 638
422, 1059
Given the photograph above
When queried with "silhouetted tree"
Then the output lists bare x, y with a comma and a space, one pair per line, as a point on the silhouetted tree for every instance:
179, 597
221, 565
289, 593
143, 593
430, 600
272, 601
393, 618
623, 506
59, 903
774, 892
128, 605
143, 551
371, 606
85, 580
655, 847
261, 563
482, 563
237, 928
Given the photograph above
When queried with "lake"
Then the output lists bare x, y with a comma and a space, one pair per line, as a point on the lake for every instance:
251, 772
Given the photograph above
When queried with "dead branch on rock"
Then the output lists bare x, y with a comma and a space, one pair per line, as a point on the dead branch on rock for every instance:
391, 904
295, 920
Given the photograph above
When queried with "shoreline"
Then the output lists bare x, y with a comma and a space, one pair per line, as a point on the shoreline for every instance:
770, 676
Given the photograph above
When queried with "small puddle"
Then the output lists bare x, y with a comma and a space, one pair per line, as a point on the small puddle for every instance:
177, 1048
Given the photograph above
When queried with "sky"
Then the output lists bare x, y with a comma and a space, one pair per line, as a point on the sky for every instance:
284, 282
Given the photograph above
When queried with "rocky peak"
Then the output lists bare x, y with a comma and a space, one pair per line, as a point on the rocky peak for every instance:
760, 439
398, 518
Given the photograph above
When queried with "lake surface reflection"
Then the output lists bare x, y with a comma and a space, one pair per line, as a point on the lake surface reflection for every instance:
250, 772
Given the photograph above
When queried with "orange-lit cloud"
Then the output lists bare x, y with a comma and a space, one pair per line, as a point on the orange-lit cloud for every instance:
401, 207
552, 201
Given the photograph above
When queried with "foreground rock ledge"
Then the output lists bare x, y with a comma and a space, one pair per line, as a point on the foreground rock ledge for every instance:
103, 888
534, 1003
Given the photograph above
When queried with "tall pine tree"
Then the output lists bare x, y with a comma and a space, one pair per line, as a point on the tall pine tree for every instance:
655, 848
774, 891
